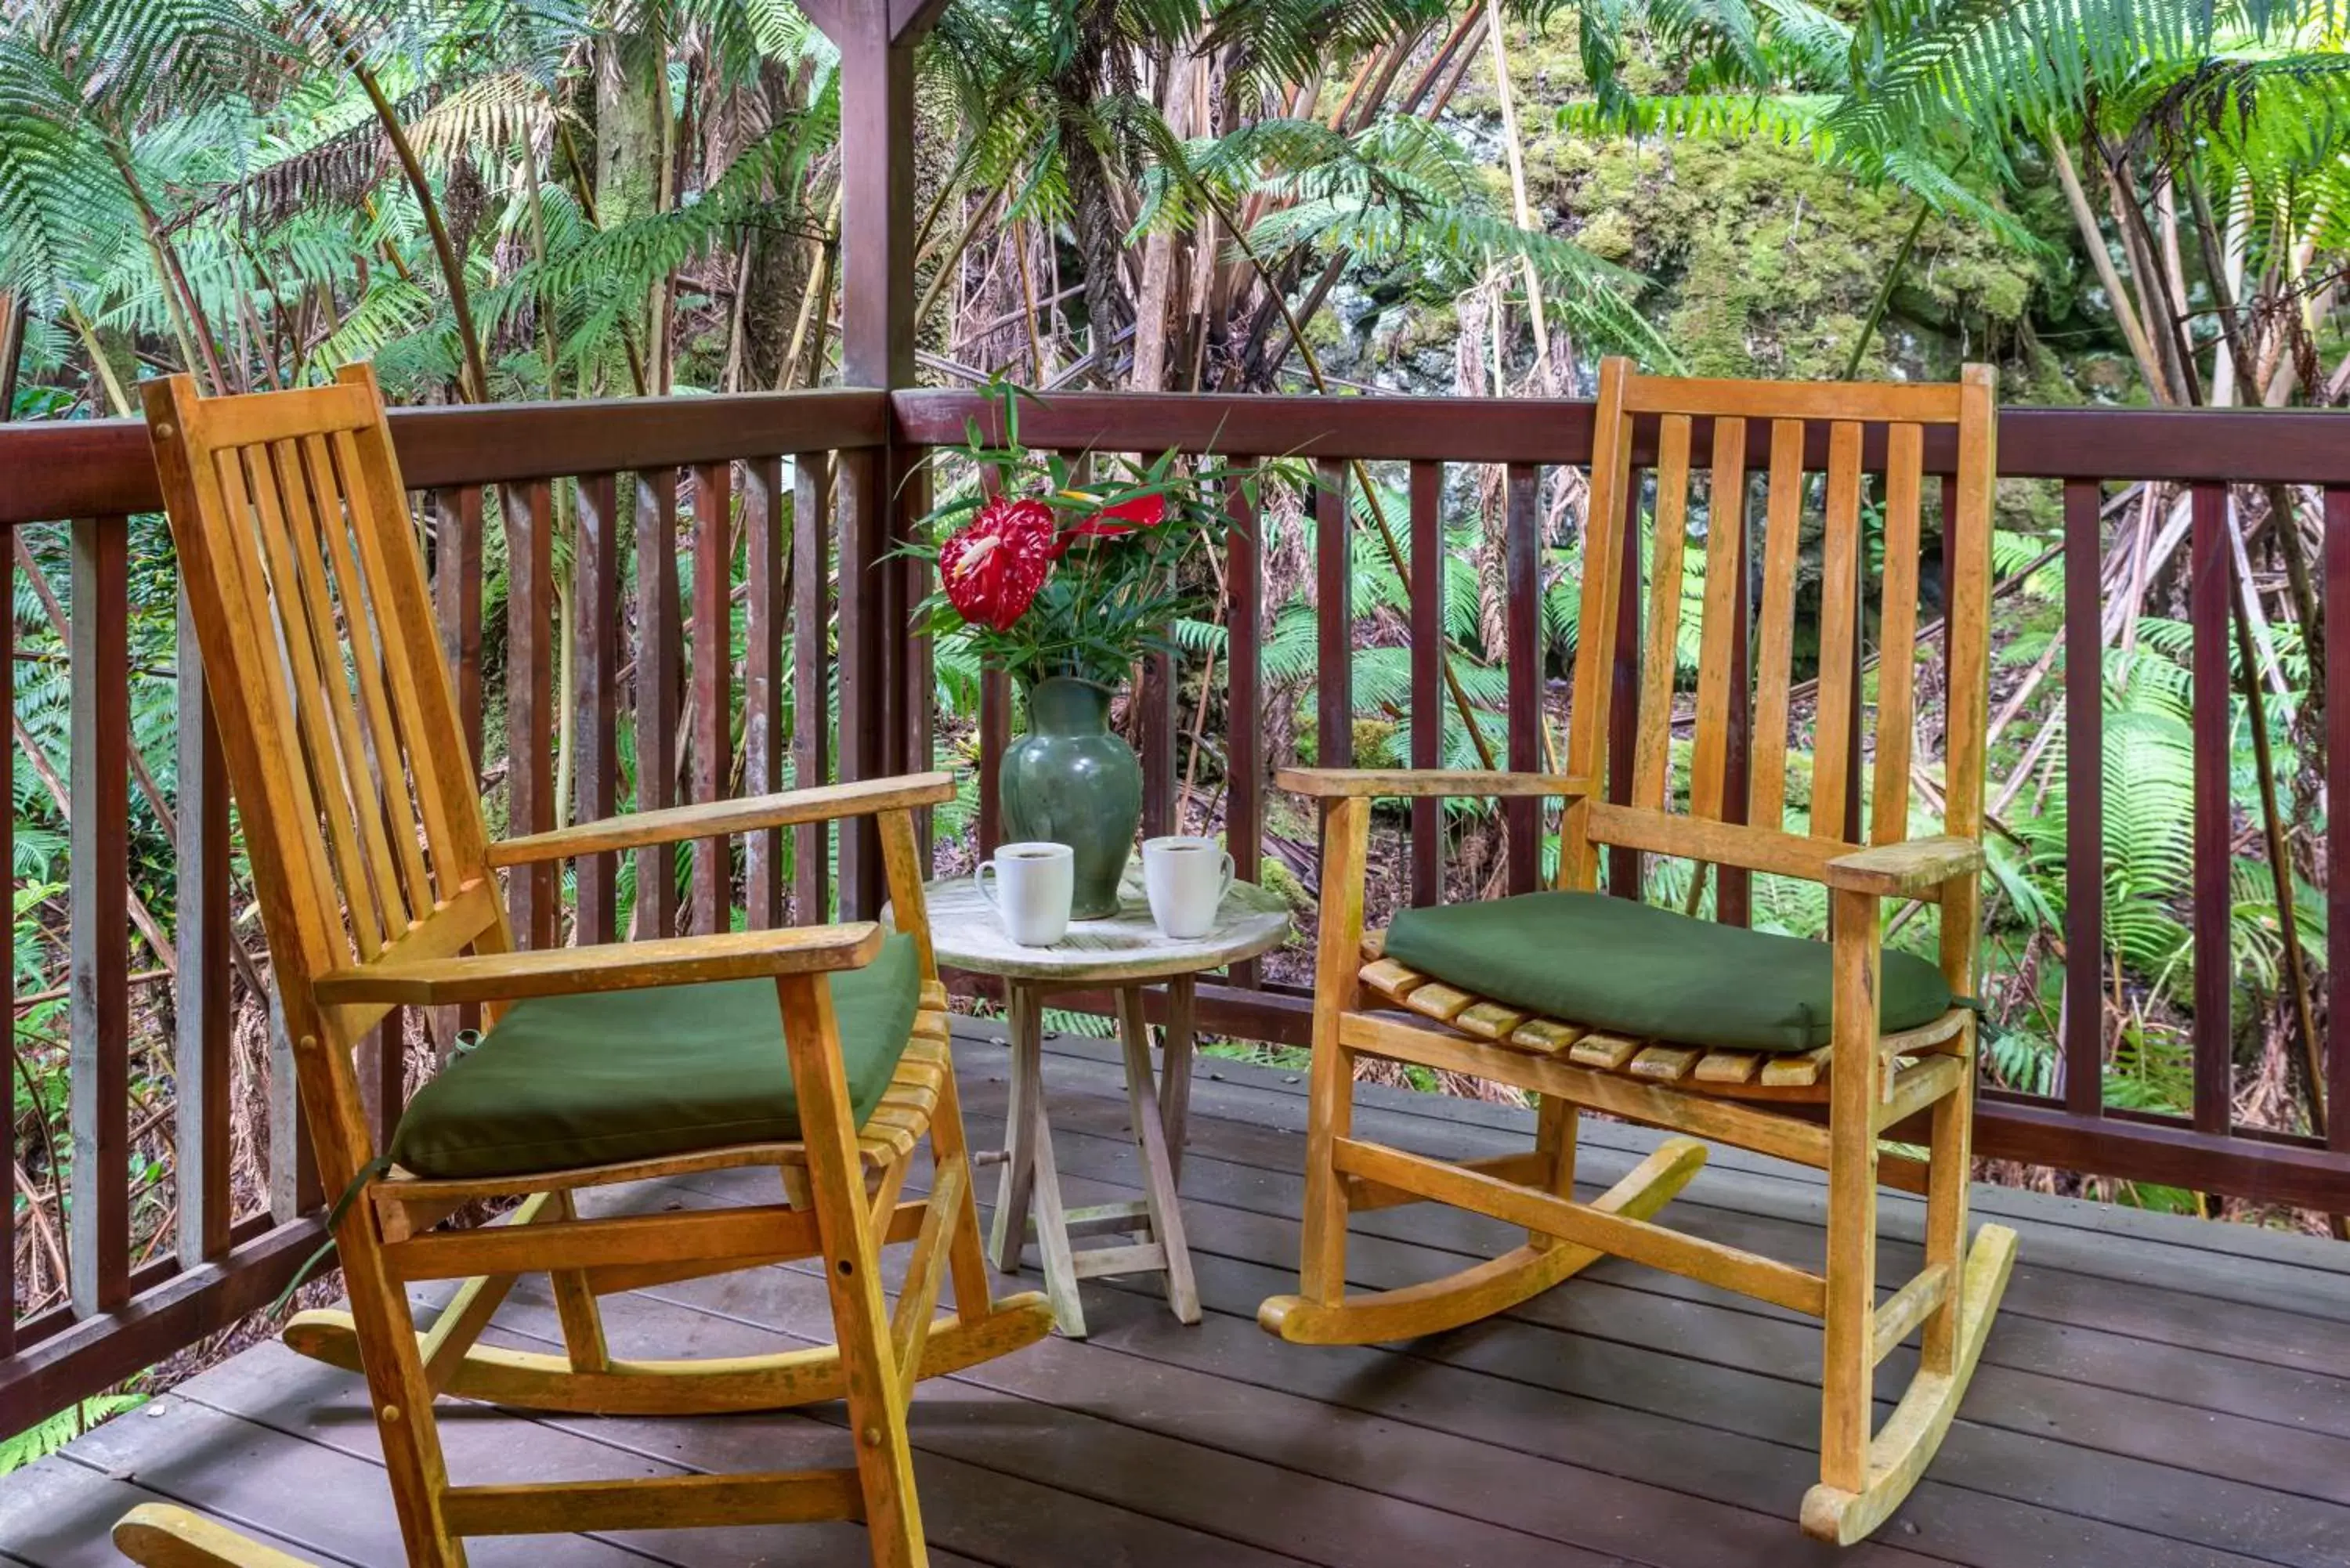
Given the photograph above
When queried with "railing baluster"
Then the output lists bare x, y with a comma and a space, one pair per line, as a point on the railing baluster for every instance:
714, 670
379, 1063
2211, 602
534, 891
658, 653
1523, 653
1624, 873
2338, 821
763, 679
596, 655
811, 689
1733, 890
293, 1179
1427, 654
99, 1232
2084, 802
1244, 696
8, 979
994, 719
994, 740
1334, 732
865, 630
1156, 693
457, 596
201, 1006
915, 667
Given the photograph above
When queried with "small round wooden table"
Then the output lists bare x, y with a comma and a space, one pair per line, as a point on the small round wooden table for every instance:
1125, 954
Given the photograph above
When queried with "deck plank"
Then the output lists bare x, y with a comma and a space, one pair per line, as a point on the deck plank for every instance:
1702, 1371
1112, 1447
2095, 1507
2160, 1393
59, 1513
2141, 1323
2256, 1308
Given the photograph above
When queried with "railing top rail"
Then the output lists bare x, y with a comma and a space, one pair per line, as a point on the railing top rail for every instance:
101, 468
2294, 446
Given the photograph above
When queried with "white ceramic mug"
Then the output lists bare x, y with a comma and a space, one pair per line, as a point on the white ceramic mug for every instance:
1186, 879
1033, 884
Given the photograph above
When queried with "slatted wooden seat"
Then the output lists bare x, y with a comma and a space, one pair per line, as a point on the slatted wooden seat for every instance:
1744, 1075
379, 889
1868, 1082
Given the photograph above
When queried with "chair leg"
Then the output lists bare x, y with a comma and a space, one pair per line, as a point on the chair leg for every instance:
1951, 1153
1555, 1125
1330, 1115
877, 1399
1952, 1340
1848, 1401
575, 1304
402, 1399
1346, 850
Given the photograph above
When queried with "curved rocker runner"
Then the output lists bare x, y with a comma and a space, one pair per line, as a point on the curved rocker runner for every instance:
819, 1051
1590, 1001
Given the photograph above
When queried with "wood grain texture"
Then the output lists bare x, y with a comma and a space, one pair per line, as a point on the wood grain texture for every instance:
1330, 784
824, 803
596, 628
618, 966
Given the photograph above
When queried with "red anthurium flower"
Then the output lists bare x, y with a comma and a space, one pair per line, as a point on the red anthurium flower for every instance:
993, 568
1115, 522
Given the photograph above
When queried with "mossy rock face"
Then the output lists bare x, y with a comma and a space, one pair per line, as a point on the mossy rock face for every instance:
1765, 264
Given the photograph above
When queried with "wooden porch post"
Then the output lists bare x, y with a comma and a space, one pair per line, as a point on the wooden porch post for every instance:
883, 681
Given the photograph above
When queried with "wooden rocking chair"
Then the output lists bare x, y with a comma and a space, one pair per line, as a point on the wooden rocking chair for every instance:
1586, 1000
821, 1051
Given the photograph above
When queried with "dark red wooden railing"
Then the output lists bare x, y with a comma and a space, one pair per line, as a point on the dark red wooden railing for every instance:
760, 550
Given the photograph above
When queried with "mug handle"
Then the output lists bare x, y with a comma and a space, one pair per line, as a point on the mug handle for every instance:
1231, 876
978, 874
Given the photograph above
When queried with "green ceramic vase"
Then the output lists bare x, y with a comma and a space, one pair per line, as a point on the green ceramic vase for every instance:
1071, 781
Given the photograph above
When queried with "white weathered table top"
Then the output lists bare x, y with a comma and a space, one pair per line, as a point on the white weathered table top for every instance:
967, 934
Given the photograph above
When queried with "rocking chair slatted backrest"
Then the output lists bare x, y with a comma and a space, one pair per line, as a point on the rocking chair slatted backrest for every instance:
1719, 419
310, 603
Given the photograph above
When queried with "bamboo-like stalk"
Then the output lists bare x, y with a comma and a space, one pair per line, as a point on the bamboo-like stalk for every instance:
116, 399
2093, 240
13, 309
813, 301
2272, 829
473, 386
1521, 208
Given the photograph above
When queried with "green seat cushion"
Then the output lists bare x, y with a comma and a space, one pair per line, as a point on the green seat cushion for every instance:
1628, 969
570, 1081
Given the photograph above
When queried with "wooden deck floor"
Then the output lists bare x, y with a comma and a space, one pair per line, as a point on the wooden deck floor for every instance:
2158, 1394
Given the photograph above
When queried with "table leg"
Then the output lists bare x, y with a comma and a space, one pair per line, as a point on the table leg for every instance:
1175, 1074
1052, 1225
1158, 1176
1009, 1233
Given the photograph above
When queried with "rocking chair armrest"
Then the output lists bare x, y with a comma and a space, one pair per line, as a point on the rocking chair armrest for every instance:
606, 966
717, 819
1335, 784
1906, 870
